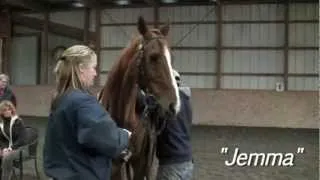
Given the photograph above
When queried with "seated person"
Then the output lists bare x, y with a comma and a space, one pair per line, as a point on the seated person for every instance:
12, 136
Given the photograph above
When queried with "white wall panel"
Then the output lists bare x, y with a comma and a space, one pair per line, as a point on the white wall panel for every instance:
303, 83
70, 18
92, 20
56, 40
254, 61
126, 15
117, 36
187, 13
199, 81
301, 11
256, 12
249, 82
303, 61
23, 29
194, 60
253, 34
202, 35
108, 58
34, 15
234, 35
303, 34
53, 42
24, 60
103, 78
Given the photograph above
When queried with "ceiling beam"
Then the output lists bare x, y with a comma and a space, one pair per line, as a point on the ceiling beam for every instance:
55, 28
91, 3
28, 4
151, 2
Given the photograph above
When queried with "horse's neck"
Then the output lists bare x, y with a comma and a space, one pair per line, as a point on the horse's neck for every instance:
120, 112
121, 90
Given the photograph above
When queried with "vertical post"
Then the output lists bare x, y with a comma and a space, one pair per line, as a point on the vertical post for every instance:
4, 32
86, 26
1, 51
156, 14
7, 44
45, 62
286, 46
218, 43
98, 43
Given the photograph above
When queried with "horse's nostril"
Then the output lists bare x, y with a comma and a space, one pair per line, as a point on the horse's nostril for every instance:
172, 108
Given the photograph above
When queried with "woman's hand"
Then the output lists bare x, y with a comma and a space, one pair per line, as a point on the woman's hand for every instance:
129, 133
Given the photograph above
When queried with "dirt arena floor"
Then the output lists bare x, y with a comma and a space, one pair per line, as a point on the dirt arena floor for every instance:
210, 161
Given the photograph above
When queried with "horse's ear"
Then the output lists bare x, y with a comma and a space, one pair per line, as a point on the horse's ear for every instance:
165, 29
142, 26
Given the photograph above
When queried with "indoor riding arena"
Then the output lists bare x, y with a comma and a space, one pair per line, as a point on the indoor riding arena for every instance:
252, 66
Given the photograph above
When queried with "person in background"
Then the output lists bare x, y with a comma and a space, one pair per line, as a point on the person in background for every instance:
81, 138
5, 91
174, 143
12, 137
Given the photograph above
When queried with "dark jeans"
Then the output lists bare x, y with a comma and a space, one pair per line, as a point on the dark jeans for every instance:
179, 171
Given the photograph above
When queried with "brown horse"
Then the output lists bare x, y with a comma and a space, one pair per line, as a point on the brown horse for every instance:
144, 65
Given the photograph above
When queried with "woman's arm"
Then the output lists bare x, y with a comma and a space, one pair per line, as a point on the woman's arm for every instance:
18, 134
97, 131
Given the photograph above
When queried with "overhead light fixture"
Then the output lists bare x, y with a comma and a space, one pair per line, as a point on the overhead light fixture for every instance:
169, 1
77, 4
122, 2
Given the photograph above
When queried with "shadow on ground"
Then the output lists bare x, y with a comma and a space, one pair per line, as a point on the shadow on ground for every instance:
209, 162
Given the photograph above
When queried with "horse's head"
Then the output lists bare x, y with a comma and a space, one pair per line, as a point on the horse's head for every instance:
156, 73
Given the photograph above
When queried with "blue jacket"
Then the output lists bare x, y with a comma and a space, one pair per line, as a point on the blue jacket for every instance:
174, 143
81, 139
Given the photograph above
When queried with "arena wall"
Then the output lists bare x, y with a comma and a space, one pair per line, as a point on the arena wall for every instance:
213, 107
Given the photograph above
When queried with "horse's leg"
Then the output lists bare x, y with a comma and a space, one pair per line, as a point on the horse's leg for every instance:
139, 162
117, 172
139, 168
151, 150
143, 165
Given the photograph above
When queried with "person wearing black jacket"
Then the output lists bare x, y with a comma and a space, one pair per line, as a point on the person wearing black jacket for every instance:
12, 136
174, 144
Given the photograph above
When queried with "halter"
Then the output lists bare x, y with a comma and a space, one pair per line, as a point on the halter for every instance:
148, 107
140, 57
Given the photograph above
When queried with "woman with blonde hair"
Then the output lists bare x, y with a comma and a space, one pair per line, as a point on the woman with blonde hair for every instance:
12, 136
81, 138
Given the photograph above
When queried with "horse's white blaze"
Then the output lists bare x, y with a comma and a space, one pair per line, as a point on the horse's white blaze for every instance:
173, 81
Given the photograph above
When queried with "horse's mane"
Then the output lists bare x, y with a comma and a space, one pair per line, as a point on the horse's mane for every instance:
121, 87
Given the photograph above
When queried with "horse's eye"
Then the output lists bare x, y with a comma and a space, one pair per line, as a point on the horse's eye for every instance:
154, 58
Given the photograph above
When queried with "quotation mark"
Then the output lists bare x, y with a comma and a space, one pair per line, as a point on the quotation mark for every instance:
224, 150
300, 150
